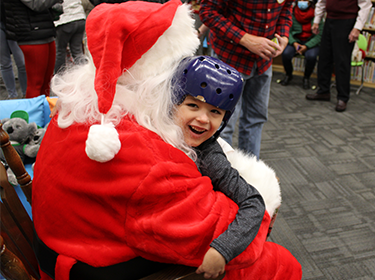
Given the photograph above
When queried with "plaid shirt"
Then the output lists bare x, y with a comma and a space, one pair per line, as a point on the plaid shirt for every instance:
229, 20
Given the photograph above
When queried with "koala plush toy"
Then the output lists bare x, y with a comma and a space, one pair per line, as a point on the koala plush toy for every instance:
25, 138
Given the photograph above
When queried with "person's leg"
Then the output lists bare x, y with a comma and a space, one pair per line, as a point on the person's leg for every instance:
49, 69
325, 64
254, 111
37, 59
20, 62
75, 43
6, 66
227, 133
63, 35
197, 24
310, 58
342, 57
287, 57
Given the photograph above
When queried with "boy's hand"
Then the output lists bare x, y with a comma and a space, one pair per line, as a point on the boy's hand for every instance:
213, 264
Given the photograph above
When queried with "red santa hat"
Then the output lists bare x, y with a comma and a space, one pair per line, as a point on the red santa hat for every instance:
117, 37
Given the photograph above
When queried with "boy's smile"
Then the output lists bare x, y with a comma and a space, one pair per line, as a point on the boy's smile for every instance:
198, 120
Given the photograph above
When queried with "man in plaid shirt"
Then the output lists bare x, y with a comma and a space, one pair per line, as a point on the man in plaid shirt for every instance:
241, 36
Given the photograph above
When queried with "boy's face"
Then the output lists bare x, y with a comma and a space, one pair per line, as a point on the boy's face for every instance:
198, 120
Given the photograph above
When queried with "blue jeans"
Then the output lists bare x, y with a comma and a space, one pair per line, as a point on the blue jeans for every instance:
253, 111
9, 47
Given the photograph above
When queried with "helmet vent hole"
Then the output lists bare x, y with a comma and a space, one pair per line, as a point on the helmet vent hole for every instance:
231, 96
229, 72
218, 90
203, 85
185, 71
202, 58
217, 66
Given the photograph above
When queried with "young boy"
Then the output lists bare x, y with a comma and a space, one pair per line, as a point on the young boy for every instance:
206, 91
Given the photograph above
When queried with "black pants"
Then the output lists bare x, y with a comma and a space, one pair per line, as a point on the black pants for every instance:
131, 270
335, 53
71, 34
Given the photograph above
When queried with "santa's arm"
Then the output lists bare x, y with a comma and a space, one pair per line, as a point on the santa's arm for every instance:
176, 214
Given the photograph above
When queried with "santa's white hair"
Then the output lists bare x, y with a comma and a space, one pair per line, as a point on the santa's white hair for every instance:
144, 90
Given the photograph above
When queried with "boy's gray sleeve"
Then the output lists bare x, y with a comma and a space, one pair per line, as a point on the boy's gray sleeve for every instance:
213, 163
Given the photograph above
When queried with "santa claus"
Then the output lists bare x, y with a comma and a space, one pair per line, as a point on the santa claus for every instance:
115, 184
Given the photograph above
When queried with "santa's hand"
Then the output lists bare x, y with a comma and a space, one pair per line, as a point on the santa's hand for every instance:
213, 264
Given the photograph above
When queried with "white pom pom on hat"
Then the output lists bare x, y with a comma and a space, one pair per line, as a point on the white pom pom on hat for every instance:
103, 142
117, 36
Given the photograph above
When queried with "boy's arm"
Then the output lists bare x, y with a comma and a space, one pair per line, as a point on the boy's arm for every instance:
213, 163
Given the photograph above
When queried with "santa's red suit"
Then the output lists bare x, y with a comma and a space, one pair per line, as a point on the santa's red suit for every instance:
149, 200
103, 194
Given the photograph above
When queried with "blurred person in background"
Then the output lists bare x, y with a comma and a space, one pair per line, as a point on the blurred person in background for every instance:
247, 35
30, 23
345, 20
69, 31
8, 48
302, 42
87, 6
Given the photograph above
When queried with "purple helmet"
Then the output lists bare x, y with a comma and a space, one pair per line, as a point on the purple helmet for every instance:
210, 80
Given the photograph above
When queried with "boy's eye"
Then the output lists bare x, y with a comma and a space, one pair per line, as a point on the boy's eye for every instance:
192, 105
216, 111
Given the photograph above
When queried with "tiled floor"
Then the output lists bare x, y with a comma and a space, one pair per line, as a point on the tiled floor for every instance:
326, 163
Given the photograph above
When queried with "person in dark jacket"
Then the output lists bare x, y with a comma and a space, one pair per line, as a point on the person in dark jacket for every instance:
30, 23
